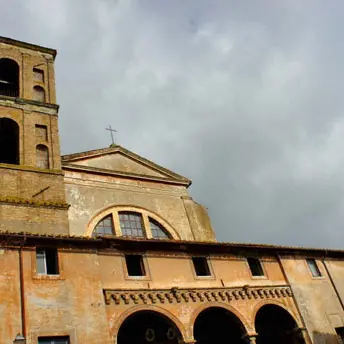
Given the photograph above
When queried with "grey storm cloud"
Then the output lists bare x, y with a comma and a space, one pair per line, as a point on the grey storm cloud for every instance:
243, 97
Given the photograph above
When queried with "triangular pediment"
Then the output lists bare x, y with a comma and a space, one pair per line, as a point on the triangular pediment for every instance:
119, 160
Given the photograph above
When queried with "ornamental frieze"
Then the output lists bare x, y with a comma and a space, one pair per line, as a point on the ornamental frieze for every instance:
176, 295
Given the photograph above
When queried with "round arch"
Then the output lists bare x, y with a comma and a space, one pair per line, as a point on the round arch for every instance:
9, 77
114, 209
275, 324
263, 303
169, 319
227, 307
215, 323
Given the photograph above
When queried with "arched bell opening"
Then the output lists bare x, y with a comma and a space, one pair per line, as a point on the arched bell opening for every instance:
145, 327
9, 78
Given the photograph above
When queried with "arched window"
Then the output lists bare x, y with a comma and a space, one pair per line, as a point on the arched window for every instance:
104, 227
42, 156
131, 224
9, 141
39, 94
158, 231
9, 78
128, 221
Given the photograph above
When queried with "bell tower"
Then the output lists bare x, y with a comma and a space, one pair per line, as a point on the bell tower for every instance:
32, 192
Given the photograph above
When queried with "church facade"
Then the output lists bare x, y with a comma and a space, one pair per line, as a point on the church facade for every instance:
105, 246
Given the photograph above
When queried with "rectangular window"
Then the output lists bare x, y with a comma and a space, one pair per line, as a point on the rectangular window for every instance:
340, 334
201, 266
41, 132
255, 267
135, 265
47, 261
313, 266
54, 340
38, 75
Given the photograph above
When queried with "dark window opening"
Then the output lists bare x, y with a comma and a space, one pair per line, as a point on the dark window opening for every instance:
53, 340
255, 267
9, 78
201, 266
9, 141
135, 265
131, 224
340, 334
47, 261
41, 132
313, 267
42, 156
38, 75
39, 94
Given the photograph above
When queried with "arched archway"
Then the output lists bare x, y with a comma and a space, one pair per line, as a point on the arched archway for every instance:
9, 141
218, 325
275, 325
148, 327
9, 78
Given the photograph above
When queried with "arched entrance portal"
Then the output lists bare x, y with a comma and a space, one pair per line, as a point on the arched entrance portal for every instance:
9, 141
275, 325
148, 327
218, 325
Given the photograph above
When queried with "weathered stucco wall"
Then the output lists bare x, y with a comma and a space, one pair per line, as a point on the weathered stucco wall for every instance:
10, 323
317, 299
90, 194
74, 304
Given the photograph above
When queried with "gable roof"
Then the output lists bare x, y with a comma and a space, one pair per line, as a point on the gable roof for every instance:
151, 171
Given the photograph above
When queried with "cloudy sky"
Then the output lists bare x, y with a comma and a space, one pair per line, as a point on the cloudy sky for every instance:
244, 97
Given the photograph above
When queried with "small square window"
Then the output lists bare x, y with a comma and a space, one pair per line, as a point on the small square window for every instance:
255, 267
313, 267
135, 265
38, 75
47, 261
54, 340
201, 266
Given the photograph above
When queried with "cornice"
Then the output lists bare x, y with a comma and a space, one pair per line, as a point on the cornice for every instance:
16, 201
176, 295
29, 105
30, 46
121, 174
31, 169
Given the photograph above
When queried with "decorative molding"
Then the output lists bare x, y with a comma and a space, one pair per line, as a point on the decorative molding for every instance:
34, 203
176, 295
